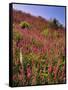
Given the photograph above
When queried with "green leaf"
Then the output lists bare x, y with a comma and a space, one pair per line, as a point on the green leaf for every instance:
45, 74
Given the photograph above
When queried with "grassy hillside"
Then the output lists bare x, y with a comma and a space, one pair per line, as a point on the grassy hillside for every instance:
38, 50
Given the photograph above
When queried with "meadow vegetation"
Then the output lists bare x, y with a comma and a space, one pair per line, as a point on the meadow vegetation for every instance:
38, 51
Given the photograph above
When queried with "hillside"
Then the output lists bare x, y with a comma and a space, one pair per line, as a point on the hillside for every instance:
38, 50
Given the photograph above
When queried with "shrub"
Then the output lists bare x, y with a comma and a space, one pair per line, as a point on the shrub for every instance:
25, 24
45, 32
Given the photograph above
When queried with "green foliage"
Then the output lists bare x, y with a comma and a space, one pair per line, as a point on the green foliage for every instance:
16, 69
55, 24
25, 24
45, 32
37, 43
26, 61
17, 36
45, 75
17, 53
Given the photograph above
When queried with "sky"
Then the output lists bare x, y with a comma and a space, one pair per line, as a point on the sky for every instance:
47, 12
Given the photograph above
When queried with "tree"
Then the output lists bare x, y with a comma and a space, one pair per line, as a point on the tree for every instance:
54, 23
